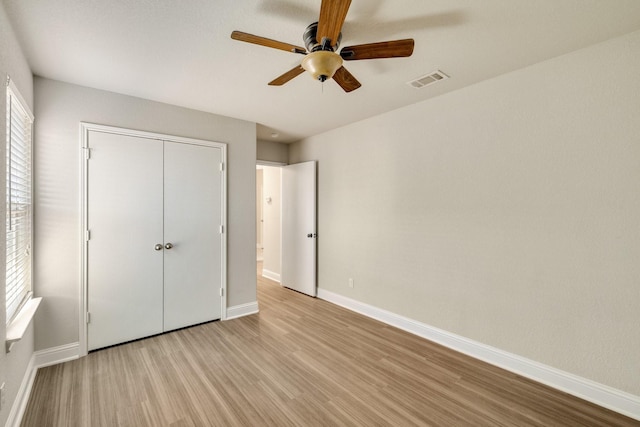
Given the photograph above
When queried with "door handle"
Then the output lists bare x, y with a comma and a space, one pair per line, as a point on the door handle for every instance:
168, 246
158, 247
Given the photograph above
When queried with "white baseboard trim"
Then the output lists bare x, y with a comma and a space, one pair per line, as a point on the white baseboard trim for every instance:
39, 359
271, 275
242, 310
600, 394
55, 355
22, 398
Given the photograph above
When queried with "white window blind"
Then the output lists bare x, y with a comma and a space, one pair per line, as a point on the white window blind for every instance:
18, 192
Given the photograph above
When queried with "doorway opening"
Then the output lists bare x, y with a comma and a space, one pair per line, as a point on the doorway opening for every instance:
286, 225
268, 221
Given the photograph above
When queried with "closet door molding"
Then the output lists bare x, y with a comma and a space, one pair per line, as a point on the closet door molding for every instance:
85, 131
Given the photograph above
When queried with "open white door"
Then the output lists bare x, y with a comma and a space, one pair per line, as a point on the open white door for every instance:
299, 227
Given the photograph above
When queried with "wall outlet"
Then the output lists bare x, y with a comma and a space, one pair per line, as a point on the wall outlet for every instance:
350, 282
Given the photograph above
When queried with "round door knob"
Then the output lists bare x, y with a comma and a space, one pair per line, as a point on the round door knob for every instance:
158, 247
168, 246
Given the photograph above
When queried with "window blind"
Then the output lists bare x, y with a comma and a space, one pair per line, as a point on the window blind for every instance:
19, 210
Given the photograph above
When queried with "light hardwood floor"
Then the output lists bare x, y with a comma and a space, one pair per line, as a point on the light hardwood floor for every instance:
299, 362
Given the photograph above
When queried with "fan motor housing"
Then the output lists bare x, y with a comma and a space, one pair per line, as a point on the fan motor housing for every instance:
309, 38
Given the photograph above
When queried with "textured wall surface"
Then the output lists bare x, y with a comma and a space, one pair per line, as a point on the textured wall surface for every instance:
506, 212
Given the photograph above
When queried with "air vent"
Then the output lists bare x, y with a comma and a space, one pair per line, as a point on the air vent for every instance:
430, 78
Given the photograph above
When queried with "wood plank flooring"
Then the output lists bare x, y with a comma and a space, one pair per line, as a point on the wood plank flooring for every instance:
299, 362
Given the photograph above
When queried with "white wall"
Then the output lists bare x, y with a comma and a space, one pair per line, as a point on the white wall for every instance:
271, 214
506, 212
60, 107
13, 63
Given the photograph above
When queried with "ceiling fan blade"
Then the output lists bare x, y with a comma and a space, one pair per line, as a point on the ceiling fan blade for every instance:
289, 75
332, 16
346, 80
390, 49
262, 41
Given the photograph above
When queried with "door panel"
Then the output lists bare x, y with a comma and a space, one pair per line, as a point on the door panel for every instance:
124, 210
298, 222
192, 219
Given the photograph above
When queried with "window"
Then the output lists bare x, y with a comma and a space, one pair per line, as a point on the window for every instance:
18, 195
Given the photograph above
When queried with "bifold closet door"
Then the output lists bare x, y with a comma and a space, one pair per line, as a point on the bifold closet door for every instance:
125, 222
192, 219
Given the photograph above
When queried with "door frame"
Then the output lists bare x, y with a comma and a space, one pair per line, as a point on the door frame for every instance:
84, 154
315, 225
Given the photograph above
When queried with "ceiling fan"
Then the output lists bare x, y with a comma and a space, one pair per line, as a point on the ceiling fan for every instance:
322, 40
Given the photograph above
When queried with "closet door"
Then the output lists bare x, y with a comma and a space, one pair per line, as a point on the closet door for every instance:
124, 218
193, 249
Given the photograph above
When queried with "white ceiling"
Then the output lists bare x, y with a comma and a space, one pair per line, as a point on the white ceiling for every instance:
180, 52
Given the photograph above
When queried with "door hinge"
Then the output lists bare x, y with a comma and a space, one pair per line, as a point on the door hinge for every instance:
88, 316
222, 229
87, 153
87, 235
221, 292
221, 167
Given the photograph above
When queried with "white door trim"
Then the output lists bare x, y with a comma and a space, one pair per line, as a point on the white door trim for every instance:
84, 155
270, 163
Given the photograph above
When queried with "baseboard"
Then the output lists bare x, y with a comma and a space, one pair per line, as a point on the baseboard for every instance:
22, 398
271, 275
39, 359
55, 355
602, 395
242, 310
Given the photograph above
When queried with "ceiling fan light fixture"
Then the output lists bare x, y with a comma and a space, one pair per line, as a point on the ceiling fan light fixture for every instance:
322, 40
322, 64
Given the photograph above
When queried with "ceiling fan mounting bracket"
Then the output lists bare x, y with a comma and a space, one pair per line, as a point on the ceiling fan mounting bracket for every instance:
309, 38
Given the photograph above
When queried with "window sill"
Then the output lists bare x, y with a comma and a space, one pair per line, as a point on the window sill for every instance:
19, 325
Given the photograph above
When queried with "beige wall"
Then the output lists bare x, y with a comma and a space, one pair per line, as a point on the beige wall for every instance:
272, 151
13, 63
506, 212
271, 236
60, 107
